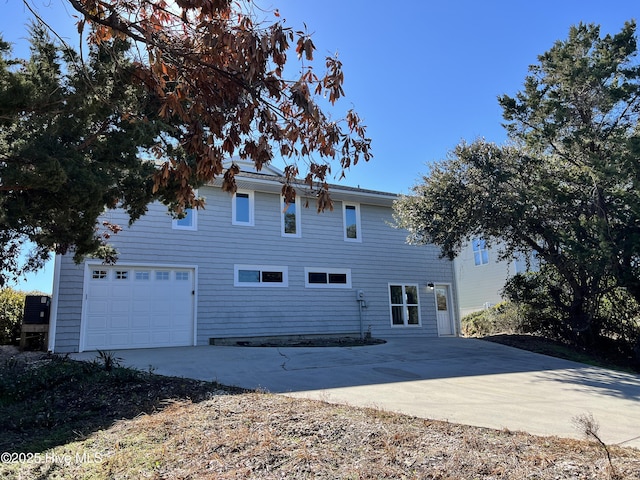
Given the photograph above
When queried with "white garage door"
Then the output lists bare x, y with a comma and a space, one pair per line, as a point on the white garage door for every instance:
138, 307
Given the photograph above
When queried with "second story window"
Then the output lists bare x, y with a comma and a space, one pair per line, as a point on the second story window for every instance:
351, 215
290, 215
480, 252
188, 222
242, 209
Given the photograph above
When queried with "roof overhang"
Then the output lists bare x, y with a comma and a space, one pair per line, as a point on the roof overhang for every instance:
273, 184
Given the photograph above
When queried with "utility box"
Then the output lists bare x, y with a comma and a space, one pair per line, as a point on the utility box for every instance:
36, 310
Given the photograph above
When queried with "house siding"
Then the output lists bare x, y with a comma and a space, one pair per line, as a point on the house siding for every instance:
480, 286
69, 309
224, 310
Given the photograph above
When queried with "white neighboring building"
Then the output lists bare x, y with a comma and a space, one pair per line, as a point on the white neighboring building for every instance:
480, 276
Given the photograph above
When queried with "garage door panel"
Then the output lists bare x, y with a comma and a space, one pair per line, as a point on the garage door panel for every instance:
120, 307
121, 290
141, 322
180, 336
141, 338
161, 338
97, 339
162, 306
140, 308
178, 323
161, 321
98, 306
119, 322
99, 287
98, 322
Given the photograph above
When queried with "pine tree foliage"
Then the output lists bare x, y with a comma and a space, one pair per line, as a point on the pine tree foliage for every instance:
167, 93
70, 144
566, 186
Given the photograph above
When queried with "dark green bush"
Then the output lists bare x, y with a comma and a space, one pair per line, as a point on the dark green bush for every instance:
11, 310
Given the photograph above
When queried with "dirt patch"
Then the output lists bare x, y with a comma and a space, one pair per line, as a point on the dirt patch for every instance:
11, 356
555, 348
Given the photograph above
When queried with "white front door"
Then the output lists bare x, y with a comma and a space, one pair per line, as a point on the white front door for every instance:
444, 311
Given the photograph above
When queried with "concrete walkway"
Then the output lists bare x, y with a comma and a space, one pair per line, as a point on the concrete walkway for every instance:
458, 380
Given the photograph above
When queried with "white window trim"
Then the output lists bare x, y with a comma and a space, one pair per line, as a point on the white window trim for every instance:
250, 194
344, 222
296, 204
140, 275
261, 268
194, 223
480, 250
406, 319
328, 271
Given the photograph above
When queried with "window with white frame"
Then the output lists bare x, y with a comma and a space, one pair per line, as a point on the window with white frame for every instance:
142, 275
162, 275
480, 252
181, 276
260, 276
122, 275
187, 222
242, 208
404, 304
290, 218
319, 277
351, 217
99, 274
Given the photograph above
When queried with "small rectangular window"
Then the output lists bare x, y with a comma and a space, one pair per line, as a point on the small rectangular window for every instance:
338, 278
255, 275
162, 275
249, 276
99, 274
242, 208
188, 222
272, 277
327, 278
317, 277
480, 252
182, 276
122, 274
142, 275
290, 218
351, 218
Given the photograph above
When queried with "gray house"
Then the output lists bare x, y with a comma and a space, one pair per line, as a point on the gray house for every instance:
481, 275
246, 267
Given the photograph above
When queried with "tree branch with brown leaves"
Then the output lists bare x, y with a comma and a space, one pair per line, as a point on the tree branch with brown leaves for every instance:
218, 75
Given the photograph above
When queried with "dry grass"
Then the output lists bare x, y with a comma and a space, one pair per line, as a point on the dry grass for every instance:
124, 424
254, 435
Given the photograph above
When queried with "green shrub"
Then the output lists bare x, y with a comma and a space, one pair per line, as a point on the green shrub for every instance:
476, 324
11, 310
501, 318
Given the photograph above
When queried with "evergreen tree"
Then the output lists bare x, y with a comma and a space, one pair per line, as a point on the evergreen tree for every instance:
71, 138
565, 187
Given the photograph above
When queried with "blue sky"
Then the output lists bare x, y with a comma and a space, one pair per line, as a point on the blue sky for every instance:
423, 75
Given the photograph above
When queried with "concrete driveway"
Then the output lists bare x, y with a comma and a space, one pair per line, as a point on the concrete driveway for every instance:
454, 379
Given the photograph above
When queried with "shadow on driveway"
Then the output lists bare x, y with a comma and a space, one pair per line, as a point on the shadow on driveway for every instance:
461, 380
